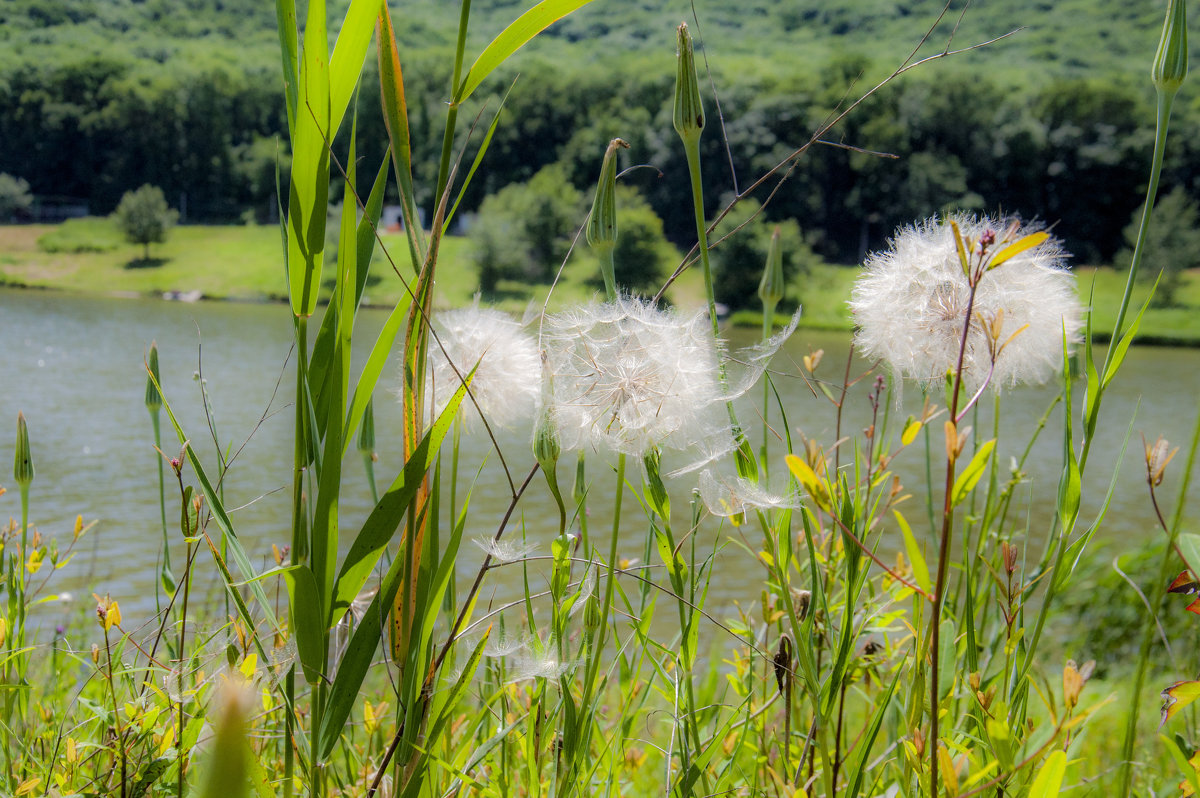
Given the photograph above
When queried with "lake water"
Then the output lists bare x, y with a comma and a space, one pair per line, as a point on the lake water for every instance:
74, 366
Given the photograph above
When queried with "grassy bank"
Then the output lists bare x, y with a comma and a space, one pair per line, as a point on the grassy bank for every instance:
243, 263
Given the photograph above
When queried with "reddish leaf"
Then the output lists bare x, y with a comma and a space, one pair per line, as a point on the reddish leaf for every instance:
1185, 583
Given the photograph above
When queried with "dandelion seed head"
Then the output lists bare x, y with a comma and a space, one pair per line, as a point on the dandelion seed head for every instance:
911, 301
505, 386
625, 376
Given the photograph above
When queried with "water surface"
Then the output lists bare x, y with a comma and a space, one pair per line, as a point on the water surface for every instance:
74, 366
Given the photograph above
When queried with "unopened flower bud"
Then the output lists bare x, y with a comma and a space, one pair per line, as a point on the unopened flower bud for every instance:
1170, 61
656, 491
546, 447
689, 109
228, 765
771, 287
592, 616
23, 461
153, 380
602, 224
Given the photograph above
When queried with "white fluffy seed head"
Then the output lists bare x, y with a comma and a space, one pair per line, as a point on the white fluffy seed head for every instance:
627, 377
910, 306
505, 386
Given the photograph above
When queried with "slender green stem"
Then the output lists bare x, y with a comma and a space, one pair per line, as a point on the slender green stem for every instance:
691, 148
767, 324
162, 505
1160, 143
944, 556
187, 582
746, 465
1159, 592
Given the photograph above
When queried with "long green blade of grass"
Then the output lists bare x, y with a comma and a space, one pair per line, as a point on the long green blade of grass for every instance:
349, 52
513, 38
382, 522
309, 192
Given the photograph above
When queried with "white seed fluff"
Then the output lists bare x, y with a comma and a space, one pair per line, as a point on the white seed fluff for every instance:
505, 386
627, 377
910, 305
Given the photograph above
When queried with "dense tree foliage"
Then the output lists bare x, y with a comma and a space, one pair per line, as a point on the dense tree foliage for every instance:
97, 98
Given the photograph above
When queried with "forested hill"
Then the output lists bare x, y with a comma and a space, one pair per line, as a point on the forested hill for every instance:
100, 96
1060, 36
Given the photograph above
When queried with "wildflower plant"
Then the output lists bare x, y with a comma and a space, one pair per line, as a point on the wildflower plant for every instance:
1007, 286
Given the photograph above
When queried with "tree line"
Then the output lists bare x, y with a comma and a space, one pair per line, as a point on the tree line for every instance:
1072, 152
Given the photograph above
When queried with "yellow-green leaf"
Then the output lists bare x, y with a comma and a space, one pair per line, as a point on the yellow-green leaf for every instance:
910, 433
970, 475
919, 568
1023, 244
1176, 697
1050, 777
28, 786
962, 250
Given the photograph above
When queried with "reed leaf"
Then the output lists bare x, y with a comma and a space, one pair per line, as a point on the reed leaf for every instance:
381, 524
513, 38
395, 117
349, 52
309, 193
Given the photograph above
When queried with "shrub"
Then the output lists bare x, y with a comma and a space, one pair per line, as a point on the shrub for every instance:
88, 234
144, 218
738, 261
524, 231
14, 196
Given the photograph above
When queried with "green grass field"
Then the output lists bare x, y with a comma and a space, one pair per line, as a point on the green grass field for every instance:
243, 263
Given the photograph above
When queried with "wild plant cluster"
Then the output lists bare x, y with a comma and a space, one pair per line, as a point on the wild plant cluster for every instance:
896, 645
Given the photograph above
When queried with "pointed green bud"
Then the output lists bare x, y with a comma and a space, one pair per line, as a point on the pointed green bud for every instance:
1170, 61
656, 492
23, 461
545, 444
366, 429
689, 110
592, 615
579, 486
153, 397
602, 224
228, 771
771, 288
560, 577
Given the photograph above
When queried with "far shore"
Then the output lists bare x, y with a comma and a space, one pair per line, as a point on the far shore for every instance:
242, 263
